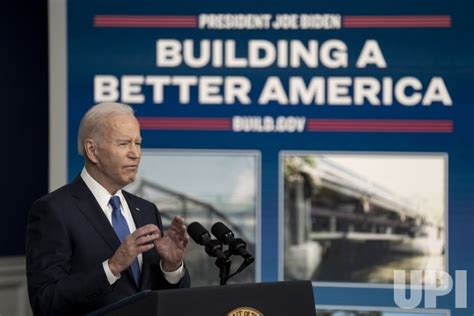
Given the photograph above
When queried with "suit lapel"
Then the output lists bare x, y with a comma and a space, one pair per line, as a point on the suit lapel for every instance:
90, 208
138, 214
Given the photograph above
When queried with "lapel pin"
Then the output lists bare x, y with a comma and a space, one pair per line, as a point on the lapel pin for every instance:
137, 209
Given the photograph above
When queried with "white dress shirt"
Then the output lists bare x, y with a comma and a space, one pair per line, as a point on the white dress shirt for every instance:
103, 197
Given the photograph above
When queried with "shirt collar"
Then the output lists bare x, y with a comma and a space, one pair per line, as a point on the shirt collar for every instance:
100, 193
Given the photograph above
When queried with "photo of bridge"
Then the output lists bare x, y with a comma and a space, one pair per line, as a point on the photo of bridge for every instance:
356, 218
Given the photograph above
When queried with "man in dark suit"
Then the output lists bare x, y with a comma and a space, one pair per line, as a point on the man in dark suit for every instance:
90, 243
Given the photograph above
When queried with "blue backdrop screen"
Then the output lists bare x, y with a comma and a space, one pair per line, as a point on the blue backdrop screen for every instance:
334, 135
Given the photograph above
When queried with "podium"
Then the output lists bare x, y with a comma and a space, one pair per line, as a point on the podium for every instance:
256, 299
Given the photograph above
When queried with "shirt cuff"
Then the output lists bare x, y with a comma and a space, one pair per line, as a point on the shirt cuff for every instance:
173, 277
110, 276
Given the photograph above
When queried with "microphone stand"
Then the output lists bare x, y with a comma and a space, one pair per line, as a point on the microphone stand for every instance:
224, 264
214, 248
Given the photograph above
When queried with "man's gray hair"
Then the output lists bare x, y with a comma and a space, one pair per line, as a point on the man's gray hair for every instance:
92, 123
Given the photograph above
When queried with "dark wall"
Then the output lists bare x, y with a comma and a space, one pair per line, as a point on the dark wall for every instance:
24, 91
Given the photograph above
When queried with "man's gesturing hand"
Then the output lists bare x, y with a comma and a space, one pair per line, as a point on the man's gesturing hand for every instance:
139, 241
172, 245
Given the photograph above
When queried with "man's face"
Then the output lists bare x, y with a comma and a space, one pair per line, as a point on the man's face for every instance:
119, 151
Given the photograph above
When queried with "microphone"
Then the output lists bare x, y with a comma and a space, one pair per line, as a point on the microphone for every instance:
213, 248
202, 237
236, 245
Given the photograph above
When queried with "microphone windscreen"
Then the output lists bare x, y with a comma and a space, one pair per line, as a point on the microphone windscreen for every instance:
196, 231
220, 230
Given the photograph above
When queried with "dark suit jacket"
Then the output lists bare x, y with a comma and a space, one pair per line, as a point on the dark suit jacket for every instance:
68, 238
